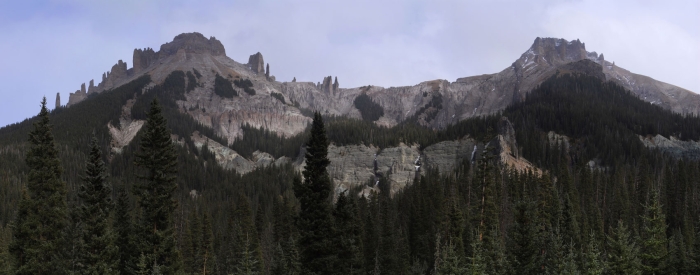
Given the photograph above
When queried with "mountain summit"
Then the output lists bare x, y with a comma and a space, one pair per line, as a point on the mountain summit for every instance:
280, 106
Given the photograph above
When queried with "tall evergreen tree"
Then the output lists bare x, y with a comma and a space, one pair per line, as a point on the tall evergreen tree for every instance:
623, 253
315, 221
593, 263
523, 248
158, 161
42, 217
128, 254
245, 245
348, 239
654, 239
99, 253
449, 261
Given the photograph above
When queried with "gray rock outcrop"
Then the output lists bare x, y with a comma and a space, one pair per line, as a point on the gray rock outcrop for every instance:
76, 97
328, 86
256, 63
91, 88
509, 145
58, 100
142, 59
192, 43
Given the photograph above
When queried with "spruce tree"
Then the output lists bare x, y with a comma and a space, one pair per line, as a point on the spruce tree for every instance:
315, 221
695, 252
6, 264
193, 243
451, 263
128, 254
249, 264
523, 247
623, 253
593, 263
42, 216
654, 239
158, 161
99, 253
244, 236
348, 239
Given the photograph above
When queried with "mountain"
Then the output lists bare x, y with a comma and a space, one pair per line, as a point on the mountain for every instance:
283, 108
559, 150
454, 101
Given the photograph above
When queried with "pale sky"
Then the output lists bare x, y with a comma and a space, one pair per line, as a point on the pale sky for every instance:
51, 47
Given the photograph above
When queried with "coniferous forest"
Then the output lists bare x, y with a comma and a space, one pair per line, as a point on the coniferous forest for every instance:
602, 204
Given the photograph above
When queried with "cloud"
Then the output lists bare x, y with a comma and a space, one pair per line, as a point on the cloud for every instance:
54, 46
636, 38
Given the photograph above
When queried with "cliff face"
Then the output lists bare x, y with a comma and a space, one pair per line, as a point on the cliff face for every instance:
435, 104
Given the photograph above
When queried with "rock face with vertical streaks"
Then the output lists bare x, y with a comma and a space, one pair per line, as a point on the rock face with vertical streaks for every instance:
256, 63
280, 106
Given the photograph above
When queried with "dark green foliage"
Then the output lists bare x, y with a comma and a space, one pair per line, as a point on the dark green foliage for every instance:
278, 96
246, 85
38, 231
450, 261
125, 239
603, 115
244, 252
315, 221
348, 243
267, 141
98, 254
198, 254
524, 249
370, 110
570, 213
653, 235
623, 252
430, 110
223, 88
158, 161
6, 264
191, 82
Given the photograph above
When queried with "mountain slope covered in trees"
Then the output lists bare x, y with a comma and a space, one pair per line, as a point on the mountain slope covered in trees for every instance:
601, 201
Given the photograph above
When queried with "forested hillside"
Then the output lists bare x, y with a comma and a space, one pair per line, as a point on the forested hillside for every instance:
603, 203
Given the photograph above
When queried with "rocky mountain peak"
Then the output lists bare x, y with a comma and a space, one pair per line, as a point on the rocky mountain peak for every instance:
192, 43
256, 63
554, 51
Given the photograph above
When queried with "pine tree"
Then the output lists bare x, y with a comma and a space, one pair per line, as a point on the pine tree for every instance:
678, 260
593, 262
348, 239
623, 252
315, 221
6, 264
123, 227
654, 239
569, 266
38, 230
695, 252
193, 244
207, 255
245, 233
451, 263
248, 264
158, 160
523, 248
476, 262
99, 253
